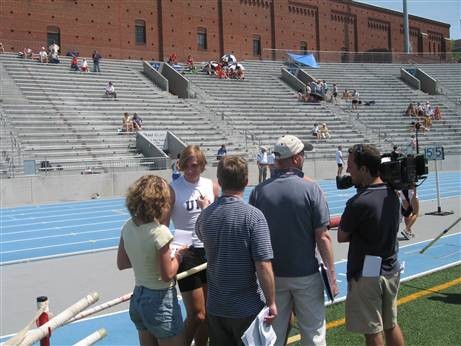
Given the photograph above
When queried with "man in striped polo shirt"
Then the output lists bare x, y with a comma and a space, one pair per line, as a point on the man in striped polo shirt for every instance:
297, 214
238, 249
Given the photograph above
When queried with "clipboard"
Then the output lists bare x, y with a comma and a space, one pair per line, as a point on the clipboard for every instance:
326, 282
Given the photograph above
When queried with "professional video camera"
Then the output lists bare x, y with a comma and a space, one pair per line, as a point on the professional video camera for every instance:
399, 171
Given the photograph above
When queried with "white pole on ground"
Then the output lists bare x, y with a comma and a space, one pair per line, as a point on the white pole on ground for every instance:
101, 307
191, 271
19, 337
92, 338
37, 334
439, 209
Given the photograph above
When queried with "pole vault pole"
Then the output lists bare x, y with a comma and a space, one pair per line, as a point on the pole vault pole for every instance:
439, 236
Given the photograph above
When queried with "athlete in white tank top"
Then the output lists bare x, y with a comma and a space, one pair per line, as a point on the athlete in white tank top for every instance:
186, 209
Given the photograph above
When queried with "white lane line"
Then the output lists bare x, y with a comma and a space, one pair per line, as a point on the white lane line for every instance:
58, 245
59, 220
59, 255
63, 227
60, 235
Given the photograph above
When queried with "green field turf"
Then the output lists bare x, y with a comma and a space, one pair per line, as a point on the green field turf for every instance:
431, 319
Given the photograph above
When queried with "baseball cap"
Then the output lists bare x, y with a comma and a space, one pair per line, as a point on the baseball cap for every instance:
288, 146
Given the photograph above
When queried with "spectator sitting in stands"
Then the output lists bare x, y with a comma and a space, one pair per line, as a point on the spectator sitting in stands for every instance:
302, 96
221, 152
346, 95
172, 59
427, 122
84, 67
324, 86
74, 64
127, 123
137, 122
240, 71
420, 110
437, 113
2, 50
27, 53
53, 48
334, 93
355, 99
72, 53
411, 110
219, 71
110, 91
43, 56
324, 133
54, 58
190, 63
428, 110
316, 131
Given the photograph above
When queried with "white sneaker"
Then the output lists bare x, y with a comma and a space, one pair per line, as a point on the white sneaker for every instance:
405, 235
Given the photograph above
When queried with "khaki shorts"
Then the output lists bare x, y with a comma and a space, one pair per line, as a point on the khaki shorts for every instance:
371, 304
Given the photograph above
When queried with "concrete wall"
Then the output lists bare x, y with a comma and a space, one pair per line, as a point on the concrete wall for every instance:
409, 79
178, 84
428, 84
47, 189
292, 80
155, 76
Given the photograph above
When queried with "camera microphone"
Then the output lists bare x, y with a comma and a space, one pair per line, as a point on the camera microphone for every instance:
344, 182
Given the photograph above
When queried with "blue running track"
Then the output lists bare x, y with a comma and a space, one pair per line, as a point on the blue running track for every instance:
50, 230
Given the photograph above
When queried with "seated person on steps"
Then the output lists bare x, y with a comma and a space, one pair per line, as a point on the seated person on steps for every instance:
110, 90
127, 123
137, 122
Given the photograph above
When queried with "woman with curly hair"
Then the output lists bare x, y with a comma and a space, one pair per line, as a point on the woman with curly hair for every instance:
190, 194
145, 247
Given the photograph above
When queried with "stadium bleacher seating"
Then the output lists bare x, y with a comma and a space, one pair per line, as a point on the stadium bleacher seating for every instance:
382, 84
62, 116
263, 106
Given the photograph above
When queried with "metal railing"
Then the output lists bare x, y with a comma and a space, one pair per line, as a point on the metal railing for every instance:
363, 57
98, 166
10, 159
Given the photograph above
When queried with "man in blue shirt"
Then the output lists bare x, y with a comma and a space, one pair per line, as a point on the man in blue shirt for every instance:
297, 215
238, 249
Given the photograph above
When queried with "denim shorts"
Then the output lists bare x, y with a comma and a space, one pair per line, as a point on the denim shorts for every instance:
157, 311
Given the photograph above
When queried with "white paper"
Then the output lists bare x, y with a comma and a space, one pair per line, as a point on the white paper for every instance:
182, 238
260, 333
371, 266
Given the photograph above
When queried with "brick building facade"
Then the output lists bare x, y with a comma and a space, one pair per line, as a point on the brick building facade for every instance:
251, 29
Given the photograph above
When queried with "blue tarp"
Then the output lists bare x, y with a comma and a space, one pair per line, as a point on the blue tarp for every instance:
308, 59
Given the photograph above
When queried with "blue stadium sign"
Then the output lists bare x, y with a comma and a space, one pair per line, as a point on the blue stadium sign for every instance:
434, 153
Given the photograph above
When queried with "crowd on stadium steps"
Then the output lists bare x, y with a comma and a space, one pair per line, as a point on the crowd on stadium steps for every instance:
263, 258
51, 55
422, 115
227, 68
131, 123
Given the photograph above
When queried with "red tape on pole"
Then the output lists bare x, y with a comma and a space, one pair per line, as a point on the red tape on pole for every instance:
334, 221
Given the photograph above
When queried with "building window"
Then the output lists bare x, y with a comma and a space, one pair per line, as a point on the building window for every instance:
140, 31
303, 47
53, 35
256, 45
202, 39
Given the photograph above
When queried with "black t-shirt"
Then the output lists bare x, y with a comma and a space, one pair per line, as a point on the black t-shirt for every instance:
372, 218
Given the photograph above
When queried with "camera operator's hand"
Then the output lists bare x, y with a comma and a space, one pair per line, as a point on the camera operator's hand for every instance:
334, 285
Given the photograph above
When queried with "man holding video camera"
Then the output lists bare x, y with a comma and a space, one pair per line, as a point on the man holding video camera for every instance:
370, 224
